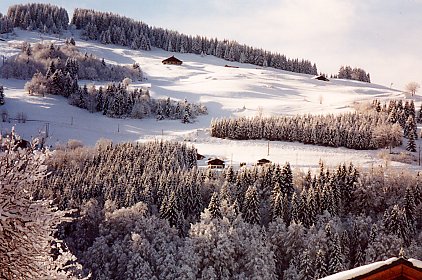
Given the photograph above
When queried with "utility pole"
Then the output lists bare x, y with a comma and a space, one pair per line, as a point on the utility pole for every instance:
118, 127
268, 150
71, 120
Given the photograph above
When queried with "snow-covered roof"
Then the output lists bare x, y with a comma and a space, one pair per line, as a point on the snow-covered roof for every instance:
363, 270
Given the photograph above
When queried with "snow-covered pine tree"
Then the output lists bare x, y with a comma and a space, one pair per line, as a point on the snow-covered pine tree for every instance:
214, 206
251, 206
320, 265
28, 226
411, 145
1, 95
410, 209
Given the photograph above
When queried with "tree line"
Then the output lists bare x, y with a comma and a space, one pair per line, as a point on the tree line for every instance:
351, 130
152, 219
404, 115
66, 60
110, 28
6, 25
349, 73
40, 17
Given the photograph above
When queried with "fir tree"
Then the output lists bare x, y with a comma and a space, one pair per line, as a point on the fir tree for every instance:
320, 265
411, 145
1, 95
214, 206
251, 206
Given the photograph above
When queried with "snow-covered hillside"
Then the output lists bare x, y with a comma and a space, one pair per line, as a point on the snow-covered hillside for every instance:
226, 91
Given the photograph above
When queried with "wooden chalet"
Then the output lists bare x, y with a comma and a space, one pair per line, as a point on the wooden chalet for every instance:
321, 78
263, 161
215, 163
172, 61
391, 269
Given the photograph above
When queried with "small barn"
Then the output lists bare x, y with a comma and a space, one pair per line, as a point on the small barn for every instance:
393, 268
215, 163
321, 78
199, 156
172, 61
263, 161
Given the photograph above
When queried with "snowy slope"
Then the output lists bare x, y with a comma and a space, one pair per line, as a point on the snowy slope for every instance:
244, 91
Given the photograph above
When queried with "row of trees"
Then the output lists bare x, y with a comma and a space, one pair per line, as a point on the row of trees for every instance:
349, 73
47, 58
110, 28
5, 24
115, 100
351, 130
404, 115
164, 218
41, 17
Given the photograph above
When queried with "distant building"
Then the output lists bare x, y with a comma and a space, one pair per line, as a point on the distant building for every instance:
172, 60
321, 78
263, 161
394, 268
199, 157
215, 163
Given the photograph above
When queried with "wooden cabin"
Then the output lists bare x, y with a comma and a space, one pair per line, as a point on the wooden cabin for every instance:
321, 78
215, 163
263, 161
391, 269
172, 61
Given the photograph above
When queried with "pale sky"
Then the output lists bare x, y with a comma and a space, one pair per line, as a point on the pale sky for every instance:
384, 37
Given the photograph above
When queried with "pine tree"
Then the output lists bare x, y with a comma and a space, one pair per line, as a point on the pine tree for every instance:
410, 209
320, 265
214, 206
251, 206
419, 118
411, 145
396, 222
335, 256
171, 211
1, 95
287, 180
306, 267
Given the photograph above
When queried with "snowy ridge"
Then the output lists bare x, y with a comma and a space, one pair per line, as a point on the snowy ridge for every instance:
244, 91
416, 262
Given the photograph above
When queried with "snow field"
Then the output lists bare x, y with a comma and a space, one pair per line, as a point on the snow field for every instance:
244, 91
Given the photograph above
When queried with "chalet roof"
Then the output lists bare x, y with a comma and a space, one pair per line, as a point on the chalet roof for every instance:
264, 160
172, 59
321, 78
393, 268
215, 161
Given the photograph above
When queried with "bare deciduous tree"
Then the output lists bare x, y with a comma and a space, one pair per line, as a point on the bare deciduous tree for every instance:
412, 88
